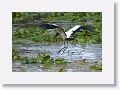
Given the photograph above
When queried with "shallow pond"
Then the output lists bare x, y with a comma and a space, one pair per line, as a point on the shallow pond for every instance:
73, 52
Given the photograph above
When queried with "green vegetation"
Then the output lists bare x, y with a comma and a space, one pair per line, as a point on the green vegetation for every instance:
96, 67
46, 59
43, 59
26, 60
31, 32
36, 35
15, 54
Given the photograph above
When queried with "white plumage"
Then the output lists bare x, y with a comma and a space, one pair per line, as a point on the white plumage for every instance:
70, 32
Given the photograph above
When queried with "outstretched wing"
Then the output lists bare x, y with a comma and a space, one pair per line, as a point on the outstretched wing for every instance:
60, 30
86, 27
78, 28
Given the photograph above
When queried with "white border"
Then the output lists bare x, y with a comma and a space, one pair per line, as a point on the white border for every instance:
104, 77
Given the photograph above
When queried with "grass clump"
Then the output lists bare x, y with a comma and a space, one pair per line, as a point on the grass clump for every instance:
27, 60
15, 54
47, 60
96, 67
51, 63
60, 61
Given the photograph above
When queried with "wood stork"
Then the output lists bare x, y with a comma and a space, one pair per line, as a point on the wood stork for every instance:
67, 36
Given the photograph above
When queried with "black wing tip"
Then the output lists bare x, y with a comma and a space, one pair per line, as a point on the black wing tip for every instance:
88, 27
48, 26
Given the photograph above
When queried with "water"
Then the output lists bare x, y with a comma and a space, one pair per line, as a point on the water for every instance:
73, 52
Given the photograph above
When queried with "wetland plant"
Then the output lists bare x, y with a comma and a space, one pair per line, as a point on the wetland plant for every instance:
15, 54
50, 63
96, 67
46, 59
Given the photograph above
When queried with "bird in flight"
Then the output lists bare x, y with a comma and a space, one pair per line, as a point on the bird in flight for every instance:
67, 36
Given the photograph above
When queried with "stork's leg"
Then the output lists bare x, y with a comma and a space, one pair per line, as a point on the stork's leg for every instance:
65, 48
62, 48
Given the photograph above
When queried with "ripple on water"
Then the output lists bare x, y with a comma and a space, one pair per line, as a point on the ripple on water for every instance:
73, 52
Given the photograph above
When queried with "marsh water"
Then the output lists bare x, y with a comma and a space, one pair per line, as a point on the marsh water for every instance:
73, 52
